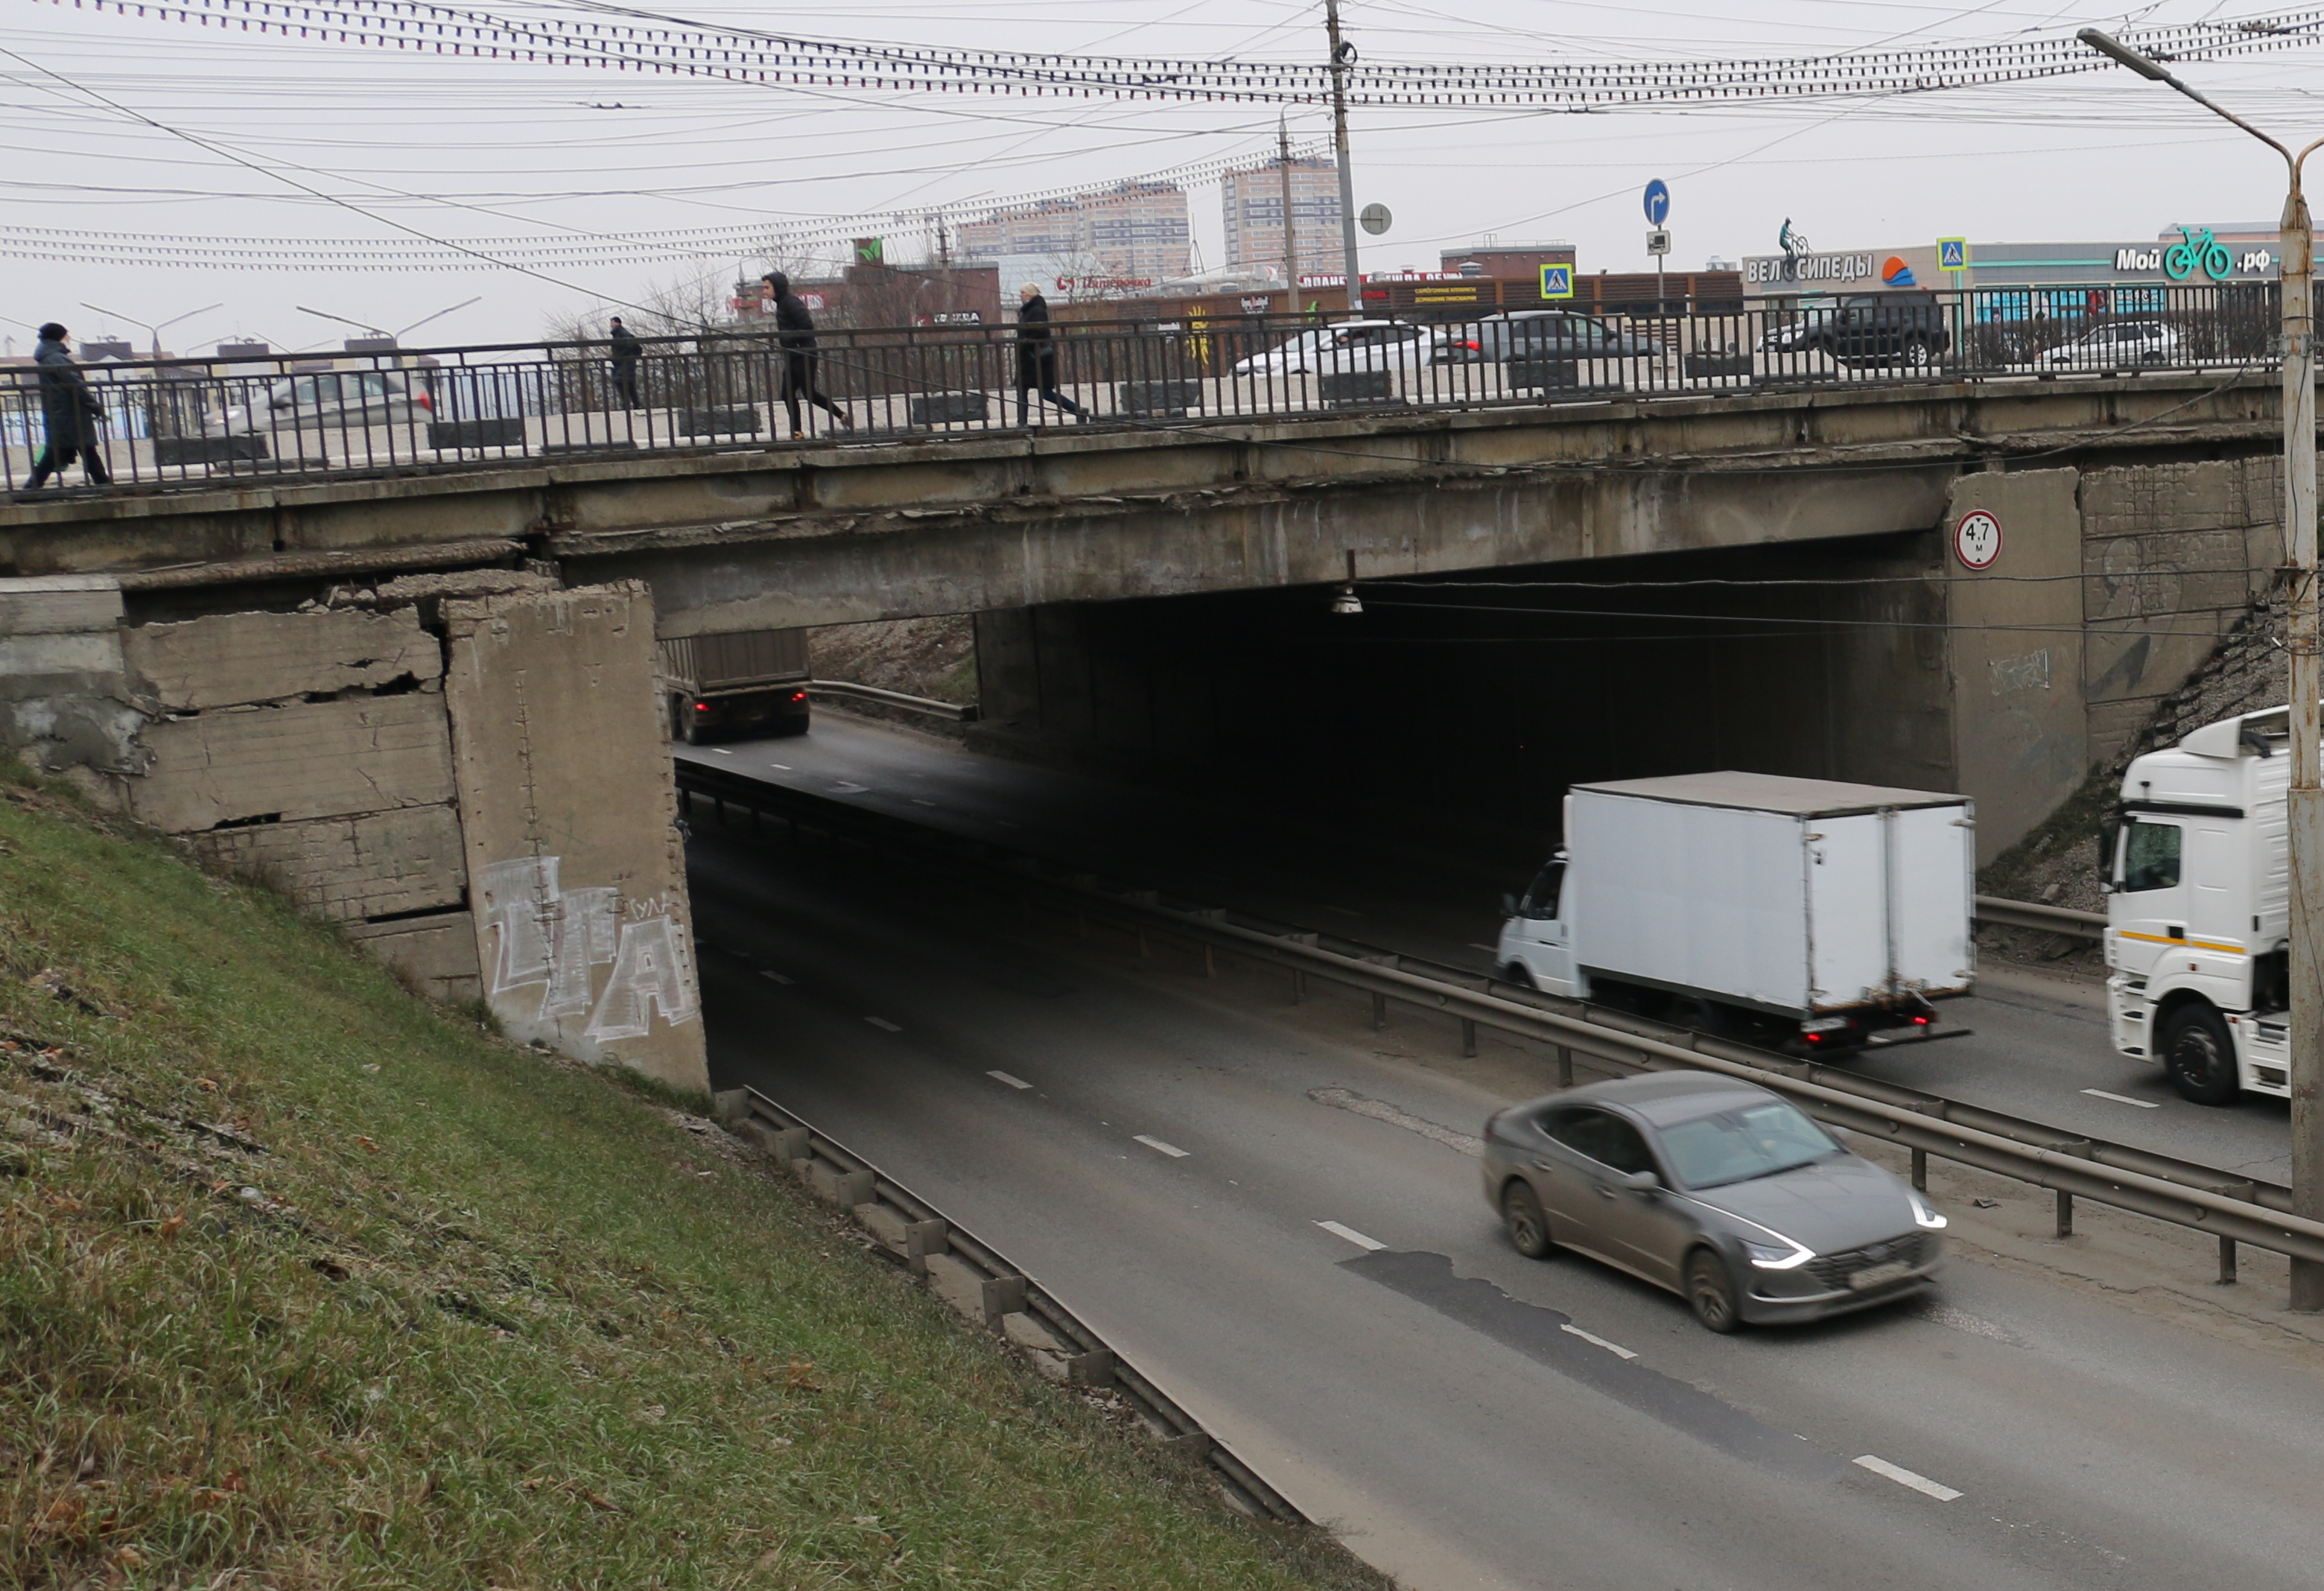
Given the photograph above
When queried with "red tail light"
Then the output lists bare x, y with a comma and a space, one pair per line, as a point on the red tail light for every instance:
798, 696
1472, 348
1920, 1021
702, 706
424, 401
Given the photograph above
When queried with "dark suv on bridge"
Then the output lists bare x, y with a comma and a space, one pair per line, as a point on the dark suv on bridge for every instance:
1873, 329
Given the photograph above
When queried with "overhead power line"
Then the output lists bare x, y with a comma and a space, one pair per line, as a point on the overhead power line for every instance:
652, 42
159, 249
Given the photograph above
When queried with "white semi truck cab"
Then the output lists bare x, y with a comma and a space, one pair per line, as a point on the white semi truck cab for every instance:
2197, 951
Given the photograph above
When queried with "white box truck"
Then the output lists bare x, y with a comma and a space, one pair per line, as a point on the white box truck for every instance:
2198, 909
1793, 912
748, 682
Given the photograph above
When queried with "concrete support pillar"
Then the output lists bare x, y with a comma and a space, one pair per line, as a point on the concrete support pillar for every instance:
568, 809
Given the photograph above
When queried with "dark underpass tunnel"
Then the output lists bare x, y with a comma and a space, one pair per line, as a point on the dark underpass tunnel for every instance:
1460, 708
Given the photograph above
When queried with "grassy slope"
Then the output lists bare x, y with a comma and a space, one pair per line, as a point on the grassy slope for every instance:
467, 1318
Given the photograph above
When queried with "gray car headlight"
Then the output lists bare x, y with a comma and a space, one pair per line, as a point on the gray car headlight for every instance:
1924, 1216
1782, 1254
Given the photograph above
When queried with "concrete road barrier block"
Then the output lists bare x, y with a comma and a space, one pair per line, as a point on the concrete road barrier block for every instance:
1164, 398
1357, 386
939, 408
726, 419
179, 451
954, 1281
732, 1106
1094, 1368
885, 1225
454, 435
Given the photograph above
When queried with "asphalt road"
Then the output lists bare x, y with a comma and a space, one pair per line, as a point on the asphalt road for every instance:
2036, 1048
1161, 1150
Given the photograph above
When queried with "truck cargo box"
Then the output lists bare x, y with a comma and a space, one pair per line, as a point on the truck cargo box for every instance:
706, 663
1797, 897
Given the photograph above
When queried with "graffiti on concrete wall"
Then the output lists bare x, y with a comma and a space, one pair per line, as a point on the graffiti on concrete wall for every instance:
557, 938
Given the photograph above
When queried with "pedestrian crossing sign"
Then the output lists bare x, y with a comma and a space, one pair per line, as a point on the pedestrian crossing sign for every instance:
1557, 281
1952, 253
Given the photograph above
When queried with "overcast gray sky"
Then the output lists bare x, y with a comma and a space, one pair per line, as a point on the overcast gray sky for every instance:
475, 150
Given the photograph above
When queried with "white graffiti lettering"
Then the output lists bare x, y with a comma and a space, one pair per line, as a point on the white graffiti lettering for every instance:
544, 934
651, 973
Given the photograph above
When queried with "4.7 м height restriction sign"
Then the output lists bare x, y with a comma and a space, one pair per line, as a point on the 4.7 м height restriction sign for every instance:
1977, 540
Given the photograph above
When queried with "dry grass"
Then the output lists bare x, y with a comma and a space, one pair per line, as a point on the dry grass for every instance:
304, 1284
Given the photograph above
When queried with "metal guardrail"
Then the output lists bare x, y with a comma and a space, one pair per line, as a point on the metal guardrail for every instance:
2027, 914
915, 1230
848, 688
2236, 1210
225, 420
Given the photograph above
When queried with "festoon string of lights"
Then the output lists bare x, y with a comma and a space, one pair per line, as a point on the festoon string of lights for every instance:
756, 57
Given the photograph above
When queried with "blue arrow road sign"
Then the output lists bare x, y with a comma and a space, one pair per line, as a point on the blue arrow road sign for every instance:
1657, 202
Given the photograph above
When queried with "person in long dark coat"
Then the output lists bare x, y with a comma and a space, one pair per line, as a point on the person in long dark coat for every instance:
626, 351
1037, 354
795, 332
70, 410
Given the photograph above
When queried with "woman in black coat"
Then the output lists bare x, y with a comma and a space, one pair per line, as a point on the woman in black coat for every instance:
1037, 353
70, 411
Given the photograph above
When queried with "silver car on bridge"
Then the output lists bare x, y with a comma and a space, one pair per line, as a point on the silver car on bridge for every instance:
1717, 1188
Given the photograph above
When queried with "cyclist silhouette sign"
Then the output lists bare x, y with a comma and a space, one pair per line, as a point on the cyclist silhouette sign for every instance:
2196, 246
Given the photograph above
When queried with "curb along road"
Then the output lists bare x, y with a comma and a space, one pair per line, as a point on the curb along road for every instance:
979, 1281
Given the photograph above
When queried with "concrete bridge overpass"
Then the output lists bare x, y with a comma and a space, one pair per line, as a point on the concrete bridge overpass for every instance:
802, 535
469, 770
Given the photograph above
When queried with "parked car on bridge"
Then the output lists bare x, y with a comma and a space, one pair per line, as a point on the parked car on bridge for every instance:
1343, 349
1717, 1188
2121, 344
326, 401
1525, 336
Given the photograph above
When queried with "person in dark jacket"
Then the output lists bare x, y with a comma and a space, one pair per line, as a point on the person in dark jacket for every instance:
71, 410
1037, 354
626, 351
795, 332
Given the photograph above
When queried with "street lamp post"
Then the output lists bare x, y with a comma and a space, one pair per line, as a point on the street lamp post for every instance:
2305, 804
156, 424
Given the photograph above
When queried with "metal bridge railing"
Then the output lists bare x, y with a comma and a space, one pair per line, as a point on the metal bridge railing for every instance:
190, 423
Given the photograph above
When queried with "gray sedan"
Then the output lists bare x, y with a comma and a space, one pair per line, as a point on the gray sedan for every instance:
1717, 1188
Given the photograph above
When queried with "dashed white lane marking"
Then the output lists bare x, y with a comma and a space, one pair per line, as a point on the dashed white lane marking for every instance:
917, 801
1014, 1082
1491, 950
883, 1023
1351, 1235
781, 766
1905, 1477
2123, 1100
845, 789
1172, 1150
1615, 1349
773, 977
721, 750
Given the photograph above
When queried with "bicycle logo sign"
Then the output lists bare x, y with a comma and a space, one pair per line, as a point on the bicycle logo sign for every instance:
2196, 246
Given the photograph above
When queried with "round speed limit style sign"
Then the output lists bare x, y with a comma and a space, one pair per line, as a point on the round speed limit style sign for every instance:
1977, 540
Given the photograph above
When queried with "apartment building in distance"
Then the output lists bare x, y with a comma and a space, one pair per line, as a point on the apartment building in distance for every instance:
1134, 231
1254, 216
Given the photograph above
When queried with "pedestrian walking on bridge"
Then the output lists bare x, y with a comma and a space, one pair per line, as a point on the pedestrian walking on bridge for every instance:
70, 411
626, 351
1037, 354
795, 332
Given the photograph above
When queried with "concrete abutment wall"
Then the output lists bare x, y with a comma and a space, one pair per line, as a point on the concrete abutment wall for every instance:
483, 798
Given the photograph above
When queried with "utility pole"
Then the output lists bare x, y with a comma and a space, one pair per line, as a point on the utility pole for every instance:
2304, 803
1290, 240
1343, 56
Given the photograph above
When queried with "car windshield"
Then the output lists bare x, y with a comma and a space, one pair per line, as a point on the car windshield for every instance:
1737, 1146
